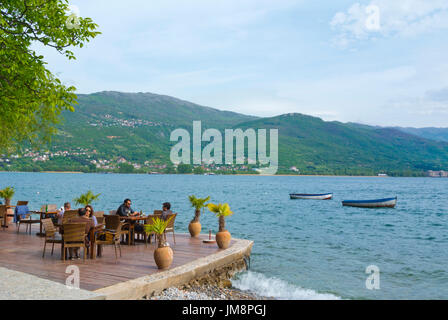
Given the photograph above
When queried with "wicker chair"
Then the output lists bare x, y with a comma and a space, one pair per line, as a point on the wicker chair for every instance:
113, 212
50, 235
99, 215
74, 237
49, 207
170, 226
158, 212
22, 203
149, 220
109, 237
112, 221
69, 215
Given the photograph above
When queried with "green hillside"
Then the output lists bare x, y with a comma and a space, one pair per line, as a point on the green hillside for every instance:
318, 147
126, 132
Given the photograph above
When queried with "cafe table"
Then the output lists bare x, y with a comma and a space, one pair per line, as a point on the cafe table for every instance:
43, 215
132, 220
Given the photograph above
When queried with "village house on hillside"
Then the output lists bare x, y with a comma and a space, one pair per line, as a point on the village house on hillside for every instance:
437, 174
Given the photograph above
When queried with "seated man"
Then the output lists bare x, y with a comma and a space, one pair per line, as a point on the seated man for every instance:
166, 210
125, 210
60, 214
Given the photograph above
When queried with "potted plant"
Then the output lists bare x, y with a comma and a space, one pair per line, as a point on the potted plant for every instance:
222, 211
163, 255
87, 198
7, 194
198, 203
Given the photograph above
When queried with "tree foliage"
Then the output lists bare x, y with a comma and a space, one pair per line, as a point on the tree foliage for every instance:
31, 97
184, 168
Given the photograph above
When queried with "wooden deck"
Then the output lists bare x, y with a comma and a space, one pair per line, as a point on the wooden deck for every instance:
23, 252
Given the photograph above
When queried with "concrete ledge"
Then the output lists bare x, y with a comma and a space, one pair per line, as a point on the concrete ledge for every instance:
155, 283
17, 285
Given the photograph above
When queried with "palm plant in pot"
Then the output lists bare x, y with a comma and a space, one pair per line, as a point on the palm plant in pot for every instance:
7, 194
198, 203
87, 198
221, 211
163, 255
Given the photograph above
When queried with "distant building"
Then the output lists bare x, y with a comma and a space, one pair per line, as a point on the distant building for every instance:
382, 175
437, 174
294, 169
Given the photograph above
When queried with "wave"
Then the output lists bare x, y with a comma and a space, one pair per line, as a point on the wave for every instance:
276, 288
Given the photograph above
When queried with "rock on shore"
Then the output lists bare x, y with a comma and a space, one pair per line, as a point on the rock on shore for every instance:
205, 292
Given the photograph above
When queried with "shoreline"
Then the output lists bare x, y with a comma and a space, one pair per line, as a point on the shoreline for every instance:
238, 174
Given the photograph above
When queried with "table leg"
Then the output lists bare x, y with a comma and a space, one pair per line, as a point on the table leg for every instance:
40, 234
92, 244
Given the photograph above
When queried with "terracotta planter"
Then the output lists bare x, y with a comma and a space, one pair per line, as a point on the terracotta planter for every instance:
223, 239
194, 228
163, 257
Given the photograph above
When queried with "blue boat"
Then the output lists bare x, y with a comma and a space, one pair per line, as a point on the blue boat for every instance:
377, 203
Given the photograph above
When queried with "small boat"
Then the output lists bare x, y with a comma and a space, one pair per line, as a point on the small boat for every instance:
319, 196
377, 203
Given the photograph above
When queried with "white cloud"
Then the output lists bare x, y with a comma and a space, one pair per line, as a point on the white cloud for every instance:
404, 18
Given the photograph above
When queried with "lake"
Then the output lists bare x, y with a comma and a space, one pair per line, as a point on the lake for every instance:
304, 249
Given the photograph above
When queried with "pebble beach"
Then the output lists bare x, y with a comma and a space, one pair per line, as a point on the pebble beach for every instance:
206, 292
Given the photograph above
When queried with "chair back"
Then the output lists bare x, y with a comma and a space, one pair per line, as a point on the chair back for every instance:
100, 220
98, 214
74, 232
112, 222
171, 222
150, 219
158, 212
49, 207
69, 215
22, 203
2, 211
113, 212
49, 228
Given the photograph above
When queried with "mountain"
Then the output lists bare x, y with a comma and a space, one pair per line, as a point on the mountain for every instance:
437, 134
151, 107
131, 131
431, 133
315, 146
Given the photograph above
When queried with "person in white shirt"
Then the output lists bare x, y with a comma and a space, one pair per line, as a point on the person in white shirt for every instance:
67, 206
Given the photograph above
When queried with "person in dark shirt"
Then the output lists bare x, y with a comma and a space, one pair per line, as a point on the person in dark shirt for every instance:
166, 206
125, 210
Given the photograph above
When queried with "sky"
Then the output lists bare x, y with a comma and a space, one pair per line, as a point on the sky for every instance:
379, 62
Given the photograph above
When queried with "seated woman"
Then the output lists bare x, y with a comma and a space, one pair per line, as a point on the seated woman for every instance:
89, 214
